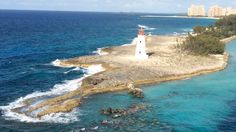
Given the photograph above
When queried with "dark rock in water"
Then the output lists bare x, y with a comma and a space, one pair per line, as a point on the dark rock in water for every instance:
136, 92
120, 112
110, 111
106, 122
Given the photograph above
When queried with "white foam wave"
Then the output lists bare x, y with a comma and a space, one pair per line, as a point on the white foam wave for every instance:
100, 52
146, 27
134, 41
187, 30
75, 69
57, 63
58, 89
52, 118
93, 69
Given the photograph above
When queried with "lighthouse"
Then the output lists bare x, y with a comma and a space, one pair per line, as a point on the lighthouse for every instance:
140, 52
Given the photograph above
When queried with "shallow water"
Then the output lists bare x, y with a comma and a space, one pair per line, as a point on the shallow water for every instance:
30, 41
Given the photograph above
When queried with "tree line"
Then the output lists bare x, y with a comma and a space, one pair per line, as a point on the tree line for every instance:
206, 40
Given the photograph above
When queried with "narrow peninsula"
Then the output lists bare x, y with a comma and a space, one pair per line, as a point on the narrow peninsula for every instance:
169, 58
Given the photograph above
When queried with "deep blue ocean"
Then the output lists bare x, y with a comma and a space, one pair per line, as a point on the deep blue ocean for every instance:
31, 40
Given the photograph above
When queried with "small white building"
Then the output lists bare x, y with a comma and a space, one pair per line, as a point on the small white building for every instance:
140, 52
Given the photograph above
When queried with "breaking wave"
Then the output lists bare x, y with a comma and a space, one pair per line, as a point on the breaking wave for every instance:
57, 63
146, 27
74, 69
134, 41
58, 89
187, 30
100, 52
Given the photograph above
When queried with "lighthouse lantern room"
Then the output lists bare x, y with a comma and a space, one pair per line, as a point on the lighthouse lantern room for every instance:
140, 52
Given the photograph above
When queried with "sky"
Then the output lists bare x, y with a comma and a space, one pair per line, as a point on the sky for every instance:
150, 6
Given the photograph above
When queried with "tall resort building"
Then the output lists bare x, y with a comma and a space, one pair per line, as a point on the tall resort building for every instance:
217, 11
196, 11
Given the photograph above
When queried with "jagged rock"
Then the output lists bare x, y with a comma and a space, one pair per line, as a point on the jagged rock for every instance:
111, 111
94, 81
119, 112
130, 86
136, 92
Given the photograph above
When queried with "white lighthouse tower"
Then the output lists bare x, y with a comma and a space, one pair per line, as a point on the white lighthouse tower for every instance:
140, 52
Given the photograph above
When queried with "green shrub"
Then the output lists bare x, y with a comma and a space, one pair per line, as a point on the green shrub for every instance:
199, 29
208, 38
226, 26
203, 45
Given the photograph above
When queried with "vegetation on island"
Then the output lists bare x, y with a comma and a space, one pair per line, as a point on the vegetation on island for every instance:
206, 40
203, 45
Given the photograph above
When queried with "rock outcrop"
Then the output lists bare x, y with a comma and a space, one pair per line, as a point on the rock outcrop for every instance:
118, 112
136, 92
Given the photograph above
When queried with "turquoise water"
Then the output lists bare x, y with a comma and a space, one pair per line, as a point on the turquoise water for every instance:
202, 103
31, 40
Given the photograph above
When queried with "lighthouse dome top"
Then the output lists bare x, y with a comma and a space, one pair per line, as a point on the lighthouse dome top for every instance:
141, 31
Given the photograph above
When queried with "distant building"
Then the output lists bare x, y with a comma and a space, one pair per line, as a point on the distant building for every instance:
196, 11
230, 11
217, 11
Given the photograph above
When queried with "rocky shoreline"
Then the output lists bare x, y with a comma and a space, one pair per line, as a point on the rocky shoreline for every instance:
166, 63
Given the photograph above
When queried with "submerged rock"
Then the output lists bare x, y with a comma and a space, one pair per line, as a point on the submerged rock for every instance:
111, 111
95, 128
106, 122
119, 112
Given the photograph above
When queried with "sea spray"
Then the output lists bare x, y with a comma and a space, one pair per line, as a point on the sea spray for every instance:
146, 27
100, 52
58, 89
74, 69
56, 63
134, 41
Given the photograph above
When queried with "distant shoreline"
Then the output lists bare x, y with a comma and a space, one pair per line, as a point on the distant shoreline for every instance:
157, 16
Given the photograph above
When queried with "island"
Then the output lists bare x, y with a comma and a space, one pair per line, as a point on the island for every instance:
167, 60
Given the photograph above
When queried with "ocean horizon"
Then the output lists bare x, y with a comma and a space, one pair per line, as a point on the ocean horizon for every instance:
115, 12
